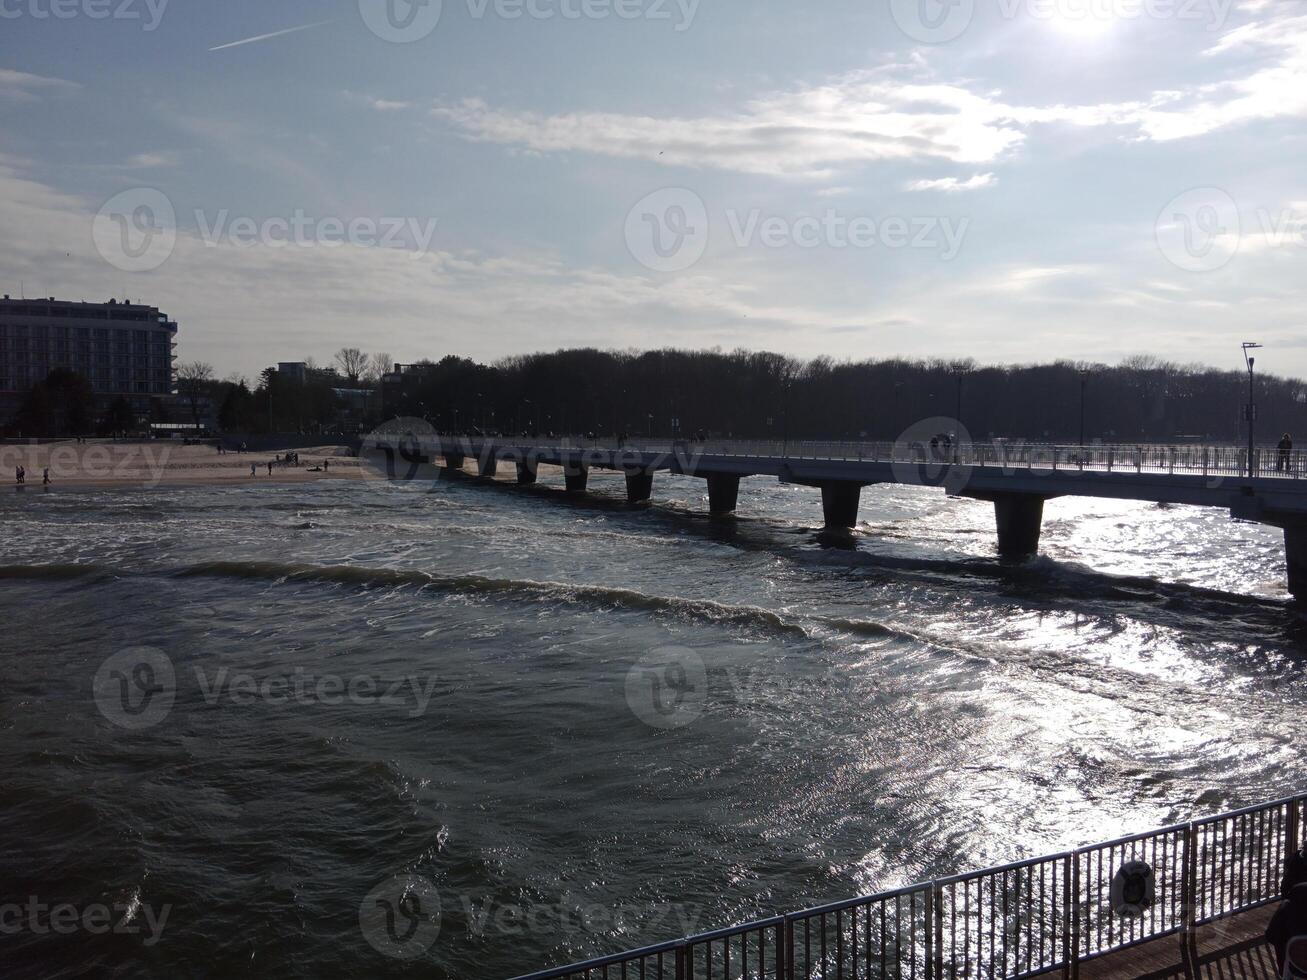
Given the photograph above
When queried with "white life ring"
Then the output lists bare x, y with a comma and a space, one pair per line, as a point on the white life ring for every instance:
1134, 889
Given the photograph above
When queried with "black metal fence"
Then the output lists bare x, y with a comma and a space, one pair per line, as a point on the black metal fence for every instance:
1041, 915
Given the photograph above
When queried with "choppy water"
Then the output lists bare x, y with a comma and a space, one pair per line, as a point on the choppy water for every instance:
546, 757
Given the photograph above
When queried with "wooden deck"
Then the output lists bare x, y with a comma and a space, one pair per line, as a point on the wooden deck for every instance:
1231, 949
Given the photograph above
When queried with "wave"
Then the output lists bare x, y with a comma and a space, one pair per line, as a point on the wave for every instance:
484, 585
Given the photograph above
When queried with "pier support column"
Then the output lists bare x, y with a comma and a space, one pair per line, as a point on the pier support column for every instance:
488, 466
1020, 517
723, 492
575, 477
1295, 555
639, 486
839, 503
526, 472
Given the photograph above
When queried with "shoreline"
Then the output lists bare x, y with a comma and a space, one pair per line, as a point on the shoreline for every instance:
104, 464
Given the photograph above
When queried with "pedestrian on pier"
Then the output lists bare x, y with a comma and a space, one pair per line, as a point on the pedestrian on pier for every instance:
1290, 922
1285, 447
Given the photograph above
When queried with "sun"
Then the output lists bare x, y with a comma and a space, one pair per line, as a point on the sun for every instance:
1082, 21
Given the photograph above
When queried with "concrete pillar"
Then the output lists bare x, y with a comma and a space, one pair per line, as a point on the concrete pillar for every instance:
526, 471
723, 492
454, 461
1020, 517
839, 503
575, 477
1295, 554
639, 486
488, 466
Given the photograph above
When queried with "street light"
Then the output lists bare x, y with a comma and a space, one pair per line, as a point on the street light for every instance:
1084, 376
1251, 412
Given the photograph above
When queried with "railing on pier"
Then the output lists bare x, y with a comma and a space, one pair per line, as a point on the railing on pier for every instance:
1185, 459
1038, 916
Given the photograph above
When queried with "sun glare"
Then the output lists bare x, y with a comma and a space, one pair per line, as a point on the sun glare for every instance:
1083, 23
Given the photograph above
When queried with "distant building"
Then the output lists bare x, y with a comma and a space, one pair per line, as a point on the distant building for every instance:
296, 371
400, 385
124, 349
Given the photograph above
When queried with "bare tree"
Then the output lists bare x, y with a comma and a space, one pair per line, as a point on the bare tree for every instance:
353, 363
192, 377
382, 364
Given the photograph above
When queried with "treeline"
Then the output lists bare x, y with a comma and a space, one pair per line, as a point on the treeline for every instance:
752, 394
64, 404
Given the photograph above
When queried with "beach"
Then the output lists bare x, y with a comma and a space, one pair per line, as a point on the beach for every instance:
107, 463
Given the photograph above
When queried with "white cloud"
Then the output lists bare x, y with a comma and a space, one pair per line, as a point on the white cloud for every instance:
953, 184
808, 132
376, 104
816, 131
19, 86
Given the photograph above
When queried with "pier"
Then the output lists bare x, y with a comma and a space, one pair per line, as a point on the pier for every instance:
1264, 486
1215, 884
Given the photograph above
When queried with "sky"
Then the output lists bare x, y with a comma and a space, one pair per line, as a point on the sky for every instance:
1004, 180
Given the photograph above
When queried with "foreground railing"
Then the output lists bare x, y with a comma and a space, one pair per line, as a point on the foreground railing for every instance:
1042, 915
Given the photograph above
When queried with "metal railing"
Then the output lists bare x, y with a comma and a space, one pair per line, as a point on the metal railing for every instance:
1038, 916
1186, 459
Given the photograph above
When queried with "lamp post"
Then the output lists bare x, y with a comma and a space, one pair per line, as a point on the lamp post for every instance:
1084, 376
1251, 411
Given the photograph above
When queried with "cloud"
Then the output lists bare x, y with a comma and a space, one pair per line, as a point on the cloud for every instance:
809, 132
378, 105
19, 86
144, 161
868, 116
953, 184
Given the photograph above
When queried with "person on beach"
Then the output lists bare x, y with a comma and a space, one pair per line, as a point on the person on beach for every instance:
326, 465
45, 477
253, 470
269, 467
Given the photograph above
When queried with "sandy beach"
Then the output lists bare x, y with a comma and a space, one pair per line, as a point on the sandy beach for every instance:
102, 462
